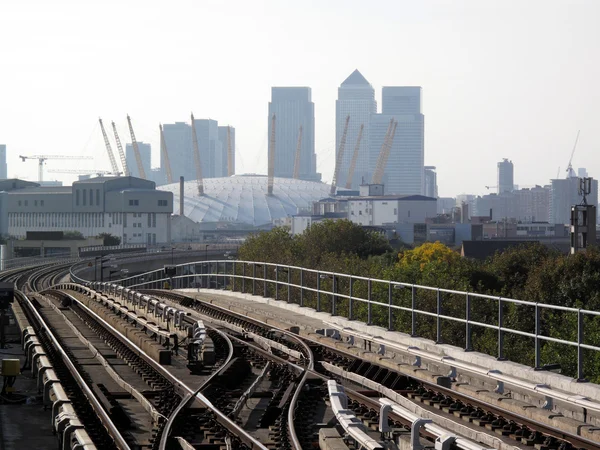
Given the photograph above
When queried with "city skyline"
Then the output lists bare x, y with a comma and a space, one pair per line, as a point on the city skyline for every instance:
486, 89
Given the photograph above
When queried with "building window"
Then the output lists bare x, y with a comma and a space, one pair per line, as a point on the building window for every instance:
26, 201
91, 197
19, 202
134, 202
77, 197
149, 220
41, 202
84, 198
97, 197
35, 203
162, 203
395, 211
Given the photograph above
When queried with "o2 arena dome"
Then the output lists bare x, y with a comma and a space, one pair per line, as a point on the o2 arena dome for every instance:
243, 199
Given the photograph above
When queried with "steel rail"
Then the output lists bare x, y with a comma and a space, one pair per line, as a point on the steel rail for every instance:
98, 409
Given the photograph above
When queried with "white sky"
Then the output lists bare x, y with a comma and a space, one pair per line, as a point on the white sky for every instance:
501, 79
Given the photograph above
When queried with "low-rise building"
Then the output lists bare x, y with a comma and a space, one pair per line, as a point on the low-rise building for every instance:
127, 207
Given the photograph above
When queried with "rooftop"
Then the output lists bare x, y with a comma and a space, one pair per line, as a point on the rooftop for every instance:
356, 78
396, 197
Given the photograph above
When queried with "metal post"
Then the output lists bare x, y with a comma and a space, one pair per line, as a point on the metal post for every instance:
468, 345
350, 300
538, 327
301, 287
413, 314
438, 318
289, 288
243, 278
276, 282
265, 293
318, 292
390, 301
369, 305
233, 276
580, 375
500, 331
333, 308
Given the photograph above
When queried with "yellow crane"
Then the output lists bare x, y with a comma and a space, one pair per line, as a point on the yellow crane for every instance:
271, 167
136, 151
165, 155
384, 153
354, 158
43, 158
197, 162
111, 156
340, 155
126, 171
229, 153
297, 158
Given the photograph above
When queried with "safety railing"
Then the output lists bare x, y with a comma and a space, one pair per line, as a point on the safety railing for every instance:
524, 331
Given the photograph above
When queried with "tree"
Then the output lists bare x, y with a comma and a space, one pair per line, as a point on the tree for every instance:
73, 235
109, 239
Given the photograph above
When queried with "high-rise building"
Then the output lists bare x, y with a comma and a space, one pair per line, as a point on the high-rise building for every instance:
178, 138
3, 168
224, 149
293, 108
356, 98
146, 156
506, 179
211, 151
564, 194
431, 189
404, 172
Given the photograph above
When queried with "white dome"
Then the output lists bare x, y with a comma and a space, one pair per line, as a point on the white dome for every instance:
244, 199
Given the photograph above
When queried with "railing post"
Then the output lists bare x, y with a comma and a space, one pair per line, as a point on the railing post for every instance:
538, 328
350, 300
580, 374
413, 314
318, 292
243, 278
289, 288
253, 279
500, 330
468, 344
438, 324
390, 301
301, 287
276, 282
233, 276
369, 305
265, 293
333, 308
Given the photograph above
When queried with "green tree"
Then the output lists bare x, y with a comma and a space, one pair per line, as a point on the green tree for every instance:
74, 235
109, 239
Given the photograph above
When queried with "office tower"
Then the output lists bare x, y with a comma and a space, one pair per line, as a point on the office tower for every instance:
582, 172
3, 169
293, 108
431, 189
211, 151
356, 98
564, 194
145, 154
404, 172
505, 176
178, 138
222, 168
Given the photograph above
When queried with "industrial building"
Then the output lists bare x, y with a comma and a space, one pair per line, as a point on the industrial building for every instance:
127, 207
526, 205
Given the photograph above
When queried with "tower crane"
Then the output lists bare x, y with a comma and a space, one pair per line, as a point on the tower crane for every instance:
126, 171
136, 151
43, 158
165, 155
111, 156
271, 167
570, 172
197, 162
229, 153
354, 158
340, 155
297, 158
385, 153
84, 172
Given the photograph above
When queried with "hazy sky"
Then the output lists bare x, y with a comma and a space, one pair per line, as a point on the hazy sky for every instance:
501, 79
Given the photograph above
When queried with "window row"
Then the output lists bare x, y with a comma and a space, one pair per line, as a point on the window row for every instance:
56, 220
35, 203
82, 196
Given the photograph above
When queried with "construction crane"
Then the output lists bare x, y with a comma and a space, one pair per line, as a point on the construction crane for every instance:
354, 158
384, 153
296, 175
197, 162
126, 171
84, 172
229, 153
271, 167
340, 155
136, 151
43, 158
570, 172
111, 156
165, 155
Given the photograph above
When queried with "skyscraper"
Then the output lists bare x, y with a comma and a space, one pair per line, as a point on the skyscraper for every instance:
222, 167
3, 168
178, 138
356, 98
431, 189
146, 156
564, 194
211, 151
293, 108
404, 172
505, 176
